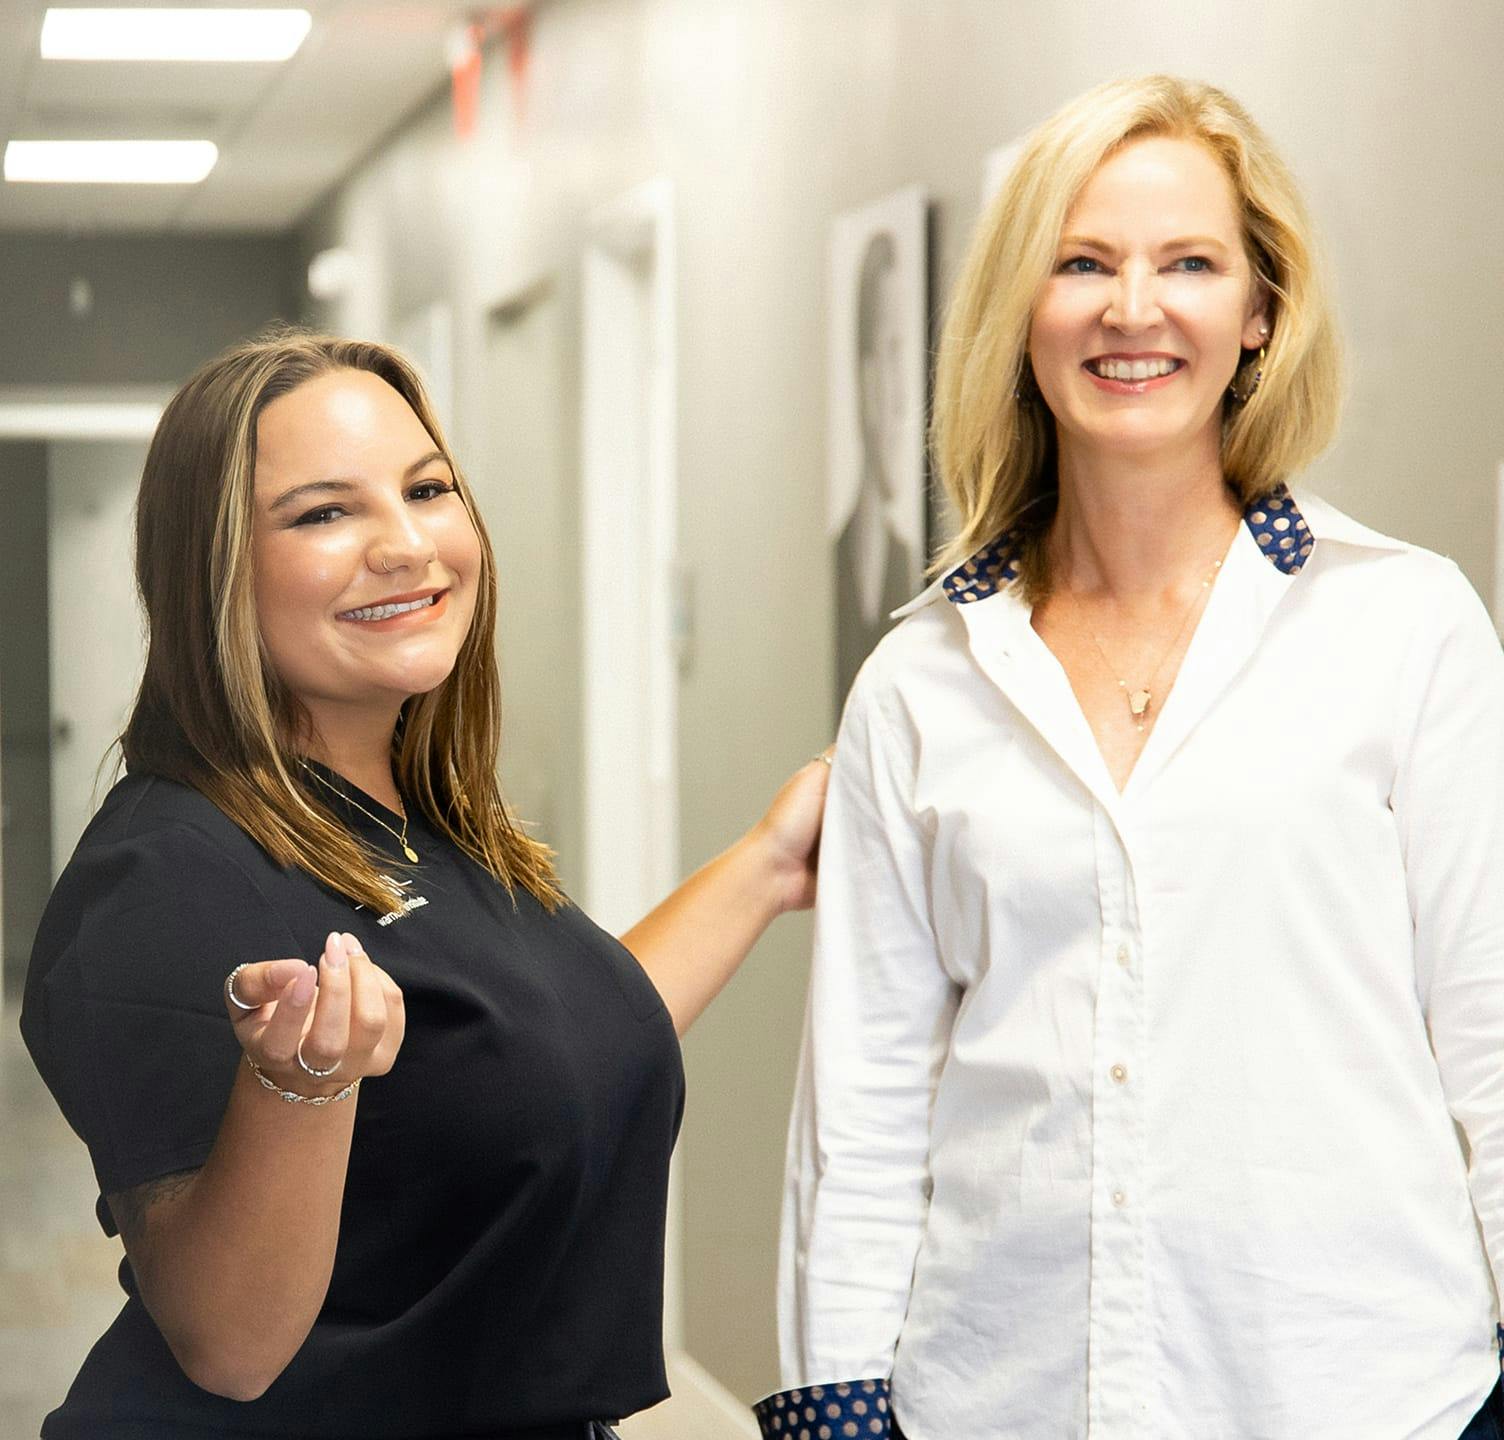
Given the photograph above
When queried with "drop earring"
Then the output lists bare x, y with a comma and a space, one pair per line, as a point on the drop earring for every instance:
1244, 392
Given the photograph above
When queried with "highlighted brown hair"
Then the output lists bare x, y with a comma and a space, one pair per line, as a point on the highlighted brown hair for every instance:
212, 713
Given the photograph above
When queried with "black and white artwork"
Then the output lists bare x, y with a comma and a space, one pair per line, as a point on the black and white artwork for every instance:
878, 377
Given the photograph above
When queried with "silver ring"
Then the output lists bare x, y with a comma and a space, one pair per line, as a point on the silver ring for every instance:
308, 1069
230, 994
822, 756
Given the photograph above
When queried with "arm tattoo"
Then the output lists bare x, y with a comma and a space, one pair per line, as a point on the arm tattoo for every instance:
132, 1207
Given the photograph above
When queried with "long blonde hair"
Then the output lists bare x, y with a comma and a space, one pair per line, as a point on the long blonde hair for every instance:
212, 713
993, 450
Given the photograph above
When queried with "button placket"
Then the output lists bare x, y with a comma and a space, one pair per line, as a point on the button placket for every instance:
1117, 1288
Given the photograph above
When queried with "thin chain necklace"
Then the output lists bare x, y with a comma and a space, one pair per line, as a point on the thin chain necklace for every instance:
351, 800
1140, 698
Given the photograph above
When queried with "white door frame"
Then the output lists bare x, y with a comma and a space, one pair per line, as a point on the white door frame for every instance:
629, 538
77, 412
629, 524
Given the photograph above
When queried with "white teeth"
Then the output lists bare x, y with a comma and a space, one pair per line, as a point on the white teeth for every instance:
383, 612
1133, 369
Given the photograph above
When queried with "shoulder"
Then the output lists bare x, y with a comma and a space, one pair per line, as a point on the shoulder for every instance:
893, 698
159, 870
147, 819
1403, 585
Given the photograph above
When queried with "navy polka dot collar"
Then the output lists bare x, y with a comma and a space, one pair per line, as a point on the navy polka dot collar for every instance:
1274, 522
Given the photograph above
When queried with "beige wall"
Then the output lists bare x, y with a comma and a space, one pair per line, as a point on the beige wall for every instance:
771, 116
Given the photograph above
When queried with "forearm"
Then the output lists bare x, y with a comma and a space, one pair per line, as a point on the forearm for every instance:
236, 1273
692, 943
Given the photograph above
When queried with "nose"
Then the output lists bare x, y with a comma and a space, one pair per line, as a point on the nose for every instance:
1134, 306
401, 543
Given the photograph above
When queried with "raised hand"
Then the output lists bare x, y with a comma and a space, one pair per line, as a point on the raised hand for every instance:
343, 1019
791, 831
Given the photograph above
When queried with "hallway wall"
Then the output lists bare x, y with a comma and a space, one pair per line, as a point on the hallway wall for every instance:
158, 305
772, 117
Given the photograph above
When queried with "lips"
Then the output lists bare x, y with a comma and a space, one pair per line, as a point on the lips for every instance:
1134, 367
394, 605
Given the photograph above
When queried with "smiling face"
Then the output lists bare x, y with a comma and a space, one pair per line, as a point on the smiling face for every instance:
366, 560
1138, 330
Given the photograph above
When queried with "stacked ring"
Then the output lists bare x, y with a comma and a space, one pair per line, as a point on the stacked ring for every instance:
230, 994
308, 1069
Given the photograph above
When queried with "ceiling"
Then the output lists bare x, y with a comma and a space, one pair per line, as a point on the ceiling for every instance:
286, 132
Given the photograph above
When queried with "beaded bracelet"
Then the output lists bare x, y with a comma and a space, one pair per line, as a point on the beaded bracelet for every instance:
292, 1097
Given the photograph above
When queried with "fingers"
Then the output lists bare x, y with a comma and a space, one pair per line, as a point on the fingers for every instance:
396, 1026
327, 1035
345, 1018
276, 1047
368, 1006
261, 983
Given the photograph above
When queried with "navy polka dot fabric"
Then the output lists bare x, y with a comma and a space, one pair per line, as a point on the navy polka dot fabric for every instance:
1281, 531
827, 1412
1275, 523
986, 572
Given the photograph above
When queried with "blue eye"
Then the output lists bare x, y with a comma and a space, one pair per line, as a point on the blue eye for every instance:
1087, 266
1195, 264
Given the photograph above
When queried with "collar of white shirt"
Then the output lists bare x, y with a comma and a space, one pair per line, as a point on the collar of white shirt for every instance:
1285, 528
1279, 534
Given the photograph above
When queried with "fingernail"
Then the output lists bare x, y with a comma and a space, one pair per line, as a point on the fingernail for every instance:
304, 986
332, 943
352, 945
334, 954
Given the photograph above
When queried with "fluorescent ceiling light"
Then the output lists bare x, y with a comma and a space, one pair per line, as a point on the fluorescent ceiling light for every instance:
78, 420
71, 34
110, 162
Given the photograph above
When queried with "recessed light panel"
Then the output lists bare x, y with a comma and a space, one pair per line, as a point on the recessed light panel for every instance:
110, 162
215, 35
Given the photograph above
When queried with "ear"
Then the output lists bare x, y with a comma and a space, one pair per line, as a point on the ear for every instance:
1257, 327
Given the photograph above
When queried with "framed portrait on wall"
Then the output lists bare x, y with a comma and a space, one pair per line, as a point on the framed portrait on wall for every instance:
879, 374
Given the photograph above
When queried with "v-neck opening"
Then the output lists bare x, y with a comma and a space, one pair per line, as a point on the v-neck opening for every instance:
1167, 708
353, 796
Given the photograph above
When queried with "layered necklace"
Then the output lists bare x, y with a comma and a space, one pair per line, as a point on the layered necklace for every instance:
1141, 697
401, 838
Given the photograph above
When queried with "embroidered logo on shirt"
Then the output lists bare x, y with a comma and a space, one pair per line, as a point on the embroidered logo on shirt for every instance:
406, 904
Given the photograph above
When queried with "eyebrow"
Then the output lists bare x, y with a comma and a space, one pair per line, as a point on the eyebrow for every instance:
1184, 242
338, 486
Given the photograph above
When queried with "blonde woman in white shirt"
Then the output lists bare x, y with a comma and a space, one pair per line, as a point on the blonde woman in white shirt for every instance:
1154, 1075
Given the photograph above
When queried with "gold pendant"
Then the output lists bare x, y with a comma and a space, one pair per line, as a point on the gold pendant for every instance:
1138, 703
410, 853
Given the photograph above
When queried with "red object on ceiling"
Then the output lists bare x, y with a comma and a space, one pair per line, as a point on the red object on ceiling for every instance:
513, 25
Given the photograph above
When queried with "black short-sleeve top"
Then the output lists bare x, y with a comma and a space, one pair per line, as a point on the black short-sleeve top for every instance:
500, 1256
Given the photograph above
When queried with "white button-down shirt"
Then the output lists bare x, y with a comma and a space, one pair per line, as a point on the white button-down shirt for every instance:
1131, 1115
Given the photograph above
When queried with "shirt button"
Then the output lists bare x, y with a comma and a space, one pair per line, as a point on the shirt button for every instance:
1119, 1073
1119, 1198
1124, 957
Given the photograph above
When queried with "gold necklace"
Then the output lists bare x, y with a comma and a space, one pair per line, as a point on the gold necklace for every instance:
1140, 698
351, 800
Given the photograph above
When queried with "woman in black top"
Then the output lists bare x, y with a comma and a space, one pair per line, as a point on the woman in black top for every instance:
472, 1243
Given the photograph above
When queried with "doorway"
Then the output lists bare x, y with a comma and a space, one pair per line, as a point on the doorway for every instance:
527, 496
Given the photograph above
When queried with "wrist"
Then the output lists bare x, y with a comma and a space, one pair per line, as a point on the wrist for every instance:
776, 876
297, 1088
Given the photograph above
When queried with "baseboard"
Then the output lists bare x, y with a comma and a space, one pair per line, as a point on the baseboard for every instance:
731, 1411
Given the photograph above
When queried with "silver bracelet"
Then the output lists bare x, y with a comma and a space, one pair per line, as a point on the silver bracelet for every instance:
292, 1097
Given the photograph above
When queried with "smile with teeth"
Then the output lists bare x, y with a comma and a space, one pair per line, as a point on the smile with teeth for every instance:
1151, 369
385, 612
